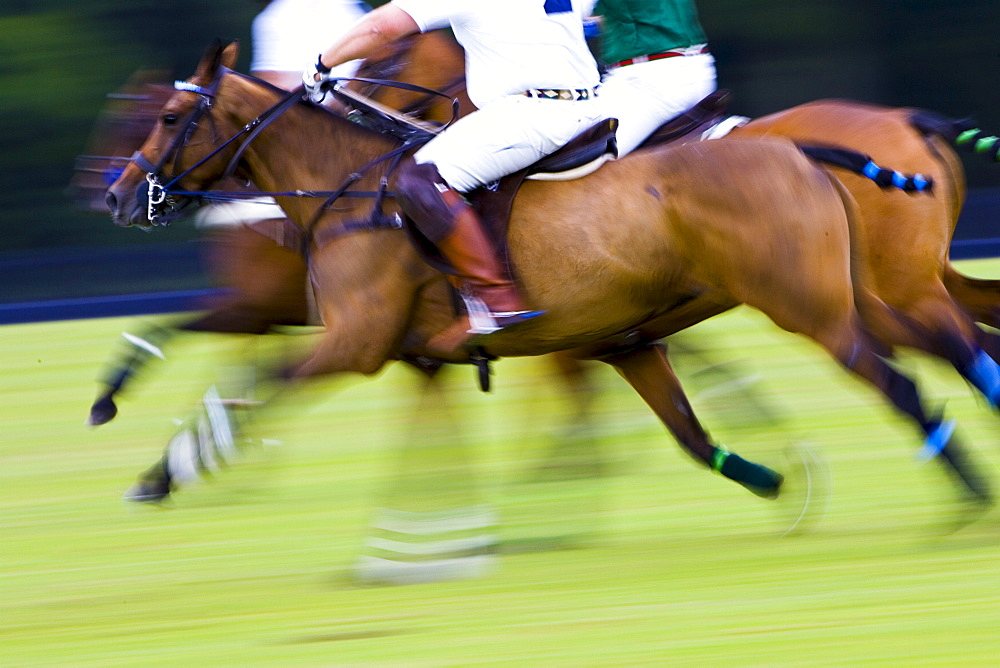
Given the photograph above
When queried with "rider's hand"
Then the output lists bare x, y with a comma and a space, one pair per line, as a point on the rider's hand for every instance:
315, 81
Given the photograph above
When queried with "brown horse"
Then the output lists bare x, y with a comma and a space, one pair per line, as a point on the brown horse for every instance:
911, 277
908, 237
916, 277
665, 237
938, 302
275, 293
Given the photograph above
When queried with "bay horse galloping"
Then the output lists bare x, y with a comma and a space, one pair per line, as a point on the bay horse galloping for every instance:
909, 238
665, 238
275, 293
916, 278
940, 305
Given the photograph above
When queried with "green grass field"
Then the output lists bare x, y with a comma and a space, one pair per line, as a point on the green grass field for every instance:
654, 562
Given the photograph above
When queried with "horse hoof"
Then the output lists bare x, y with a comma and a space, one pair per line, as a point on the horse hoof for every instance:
148, 491
969, 511
975, 487
769, 493
805, 493
103, 411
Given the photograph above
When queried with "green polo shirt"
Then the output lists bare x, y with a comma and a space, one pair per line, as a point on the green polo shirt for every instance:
633, 28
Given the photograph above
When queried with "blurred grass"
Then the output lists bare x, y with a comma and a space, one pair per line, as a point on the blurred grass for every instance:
671, 563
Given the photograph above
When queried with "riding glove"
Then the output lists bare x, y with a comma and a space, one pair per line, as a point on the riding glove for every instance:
316, 90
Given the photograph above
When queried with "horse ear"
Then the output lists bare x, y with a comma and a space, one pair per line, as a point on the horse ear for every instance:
208, 68
230, 54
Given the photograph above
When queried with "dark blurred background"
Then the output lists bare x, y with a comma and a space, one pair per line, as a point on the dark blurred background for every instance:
60, 58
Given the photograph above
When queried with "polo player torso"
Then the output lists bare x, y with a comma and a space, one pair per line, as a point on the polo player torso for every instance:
640, 27
287, 34
659, 64
511, 47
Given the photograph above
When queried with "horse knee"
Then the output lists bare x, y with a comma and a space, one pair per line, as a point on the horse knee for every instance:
325, 361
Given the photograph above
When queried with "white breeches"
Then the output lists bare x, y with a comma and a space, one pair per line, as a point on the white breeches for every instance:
505, 136
230, 214
645, 95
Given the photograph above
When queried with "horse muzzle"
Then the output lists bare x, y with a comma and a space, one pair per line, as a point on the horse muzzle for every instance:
135, 210
126, 211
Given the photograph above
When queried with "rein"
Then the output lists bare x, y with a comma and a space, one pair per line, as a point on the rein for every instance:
158, 193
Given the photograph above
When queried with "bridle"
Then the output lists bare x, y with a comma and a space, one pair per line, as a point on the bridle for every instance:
156, 192
159, 190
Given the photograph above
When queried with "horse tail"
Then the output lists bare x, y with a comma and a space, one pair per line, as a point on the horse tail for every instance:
863, 165
980, 297
960, 133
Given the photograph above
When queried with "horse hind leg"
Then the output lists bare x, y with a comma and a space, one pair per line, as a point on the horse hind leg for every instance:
648, 371
937, 326
857, 354
969, 356
979, 297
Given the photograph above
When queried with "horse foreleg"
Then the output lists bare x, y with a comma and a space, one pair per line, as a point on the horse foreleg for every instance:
210, 438
138, 349
431, 522
648, 371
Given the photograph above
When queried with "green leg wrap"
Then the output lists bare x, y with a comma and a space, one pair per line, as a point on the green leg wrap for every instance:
760, 480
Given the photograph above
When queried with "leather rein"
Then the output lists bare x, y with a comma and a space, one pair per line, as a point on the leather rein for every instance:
160, 189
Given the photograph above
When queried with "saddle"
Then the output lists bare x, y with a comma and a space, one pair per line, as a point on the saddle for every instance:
581, 156
694, 123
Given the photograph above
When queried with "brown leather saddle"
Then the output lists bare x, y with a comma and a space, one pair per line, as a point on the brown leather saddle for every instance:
493, 204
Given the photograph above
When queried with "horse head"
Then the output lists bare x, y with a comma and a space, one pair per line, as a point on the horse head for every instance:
122, 126
181, 151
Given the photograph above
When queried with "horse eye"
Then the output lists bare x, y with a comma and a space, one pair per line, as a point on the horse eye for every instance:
170, 119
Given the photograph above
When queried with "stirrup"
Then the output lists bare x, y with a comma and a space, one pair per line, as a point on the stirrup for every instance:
484, 321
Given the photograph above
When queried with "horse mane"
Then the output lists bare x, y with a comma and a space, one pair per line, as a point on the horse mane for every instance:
317, 110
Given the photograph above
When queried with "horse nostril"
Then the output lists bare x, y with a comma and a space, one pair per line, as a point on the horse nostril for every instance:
112, 202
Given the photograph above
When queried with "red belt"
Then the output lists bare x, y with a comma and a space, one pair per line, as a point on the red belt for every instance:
672, 53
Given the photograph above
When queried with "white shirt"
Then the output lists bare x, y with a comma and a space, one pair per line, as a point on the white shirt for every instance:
513, 45
290, 34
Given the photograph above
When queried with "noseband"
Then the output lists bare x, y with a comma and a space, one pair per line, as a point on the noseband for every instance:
159, 189
158, 193
155, 192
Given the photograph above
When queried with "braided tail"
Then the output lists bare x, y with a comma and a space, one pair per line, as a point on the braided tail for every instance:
863, 165
976, 141
963, 134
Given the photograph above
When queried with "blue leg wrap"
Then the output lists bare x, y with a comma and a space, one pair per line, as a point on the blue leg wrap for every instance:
936, 441
871, 170
984, 373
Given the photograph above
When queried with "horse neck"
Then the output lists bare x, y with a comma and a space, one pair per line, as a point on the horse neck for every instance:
433, 60
306, 148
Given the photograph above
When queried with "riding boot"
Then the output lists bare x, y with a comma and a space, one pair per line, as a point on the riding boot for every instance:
492, 299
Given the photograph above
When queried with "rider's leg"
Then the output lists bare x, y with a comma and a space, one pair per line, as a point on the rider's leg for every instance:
440, 213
